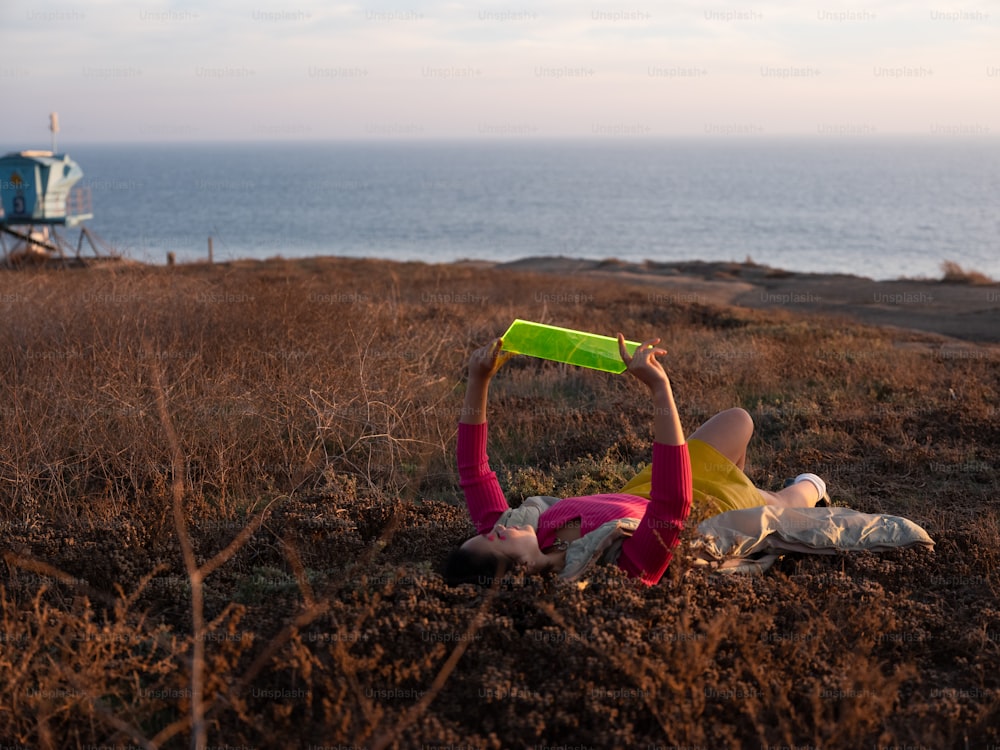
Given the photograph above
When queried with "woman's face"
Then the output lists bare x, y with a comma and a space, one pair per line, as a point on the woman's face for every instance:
518, 544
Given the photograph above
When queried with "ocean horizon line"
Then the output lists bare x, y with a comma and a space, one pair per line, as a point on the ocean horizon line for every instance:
743, 138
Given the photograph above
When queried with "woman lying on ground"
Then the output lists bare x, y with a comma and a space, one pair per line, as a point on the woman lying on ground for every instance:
637, 528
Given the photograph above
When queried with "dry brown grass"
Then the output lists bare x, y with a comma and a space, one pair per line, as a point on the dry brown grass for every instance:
314, 405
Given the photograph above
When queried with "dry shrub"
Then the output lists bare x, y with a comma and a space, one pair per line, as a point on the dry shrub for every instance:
954, 273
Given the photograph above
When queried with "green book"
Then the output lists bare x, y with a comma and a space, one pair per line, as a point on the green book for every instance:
565, 345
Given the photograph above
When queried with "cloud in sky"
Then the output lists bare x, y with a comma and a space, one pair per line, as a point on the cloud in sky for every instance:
118, 70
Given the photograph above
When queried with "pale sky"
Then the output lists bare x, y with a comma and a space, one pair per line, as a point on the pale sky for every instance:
310, 70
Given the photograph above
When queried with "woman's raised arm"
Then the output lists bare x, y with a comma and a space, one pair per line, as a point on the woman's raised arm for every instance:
483, 365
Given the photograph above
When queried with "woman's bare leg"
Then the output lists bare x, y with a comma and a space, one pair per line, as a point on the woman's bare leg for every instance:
729, 433
798, 495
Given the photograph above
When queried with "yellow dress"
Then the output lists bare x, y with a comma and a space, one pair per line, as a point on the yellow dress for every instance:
718, 483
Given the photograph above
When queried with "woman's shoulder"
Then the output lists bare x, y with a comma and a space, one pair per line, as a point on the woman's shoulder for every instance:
529, 511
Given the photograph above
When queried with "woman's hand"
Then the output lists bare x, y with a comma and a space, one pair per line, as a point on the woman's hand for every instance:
644, 364
486, 360
483, 365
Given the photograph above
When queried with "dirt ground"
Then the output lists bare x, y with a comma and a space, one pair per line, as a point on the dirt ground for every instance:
961, 311
315, 402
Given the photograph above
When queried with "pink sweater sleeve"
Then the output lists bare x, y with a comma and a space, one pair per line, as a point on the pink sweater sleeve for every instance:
483, 496
647, 553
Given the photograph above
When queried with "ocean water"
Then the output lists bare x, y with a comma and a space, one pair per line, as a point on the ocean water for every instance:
878, 207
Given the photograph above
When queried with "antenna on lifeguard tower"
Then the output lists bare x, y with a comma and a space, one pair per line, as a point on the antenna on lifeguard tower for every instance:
54, 127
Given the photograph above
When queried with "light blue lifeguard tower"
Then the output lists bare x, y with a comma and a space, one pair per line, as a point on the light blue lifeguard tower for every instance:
37, 195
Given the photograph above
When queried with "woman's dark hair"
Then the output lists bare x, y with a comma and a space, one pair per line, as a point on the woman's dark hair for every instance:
472, 566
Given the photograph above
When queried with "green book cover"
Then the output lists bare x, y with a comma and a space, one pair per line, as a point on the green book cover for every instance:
565, 345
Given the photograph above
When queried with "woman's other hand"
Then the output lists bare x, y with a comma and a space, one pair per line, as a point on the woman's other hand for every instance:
486, 360
644, 363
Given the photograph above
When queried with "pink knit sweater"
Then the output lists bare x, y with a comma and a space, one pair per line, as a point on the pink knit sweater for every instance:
644, 555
